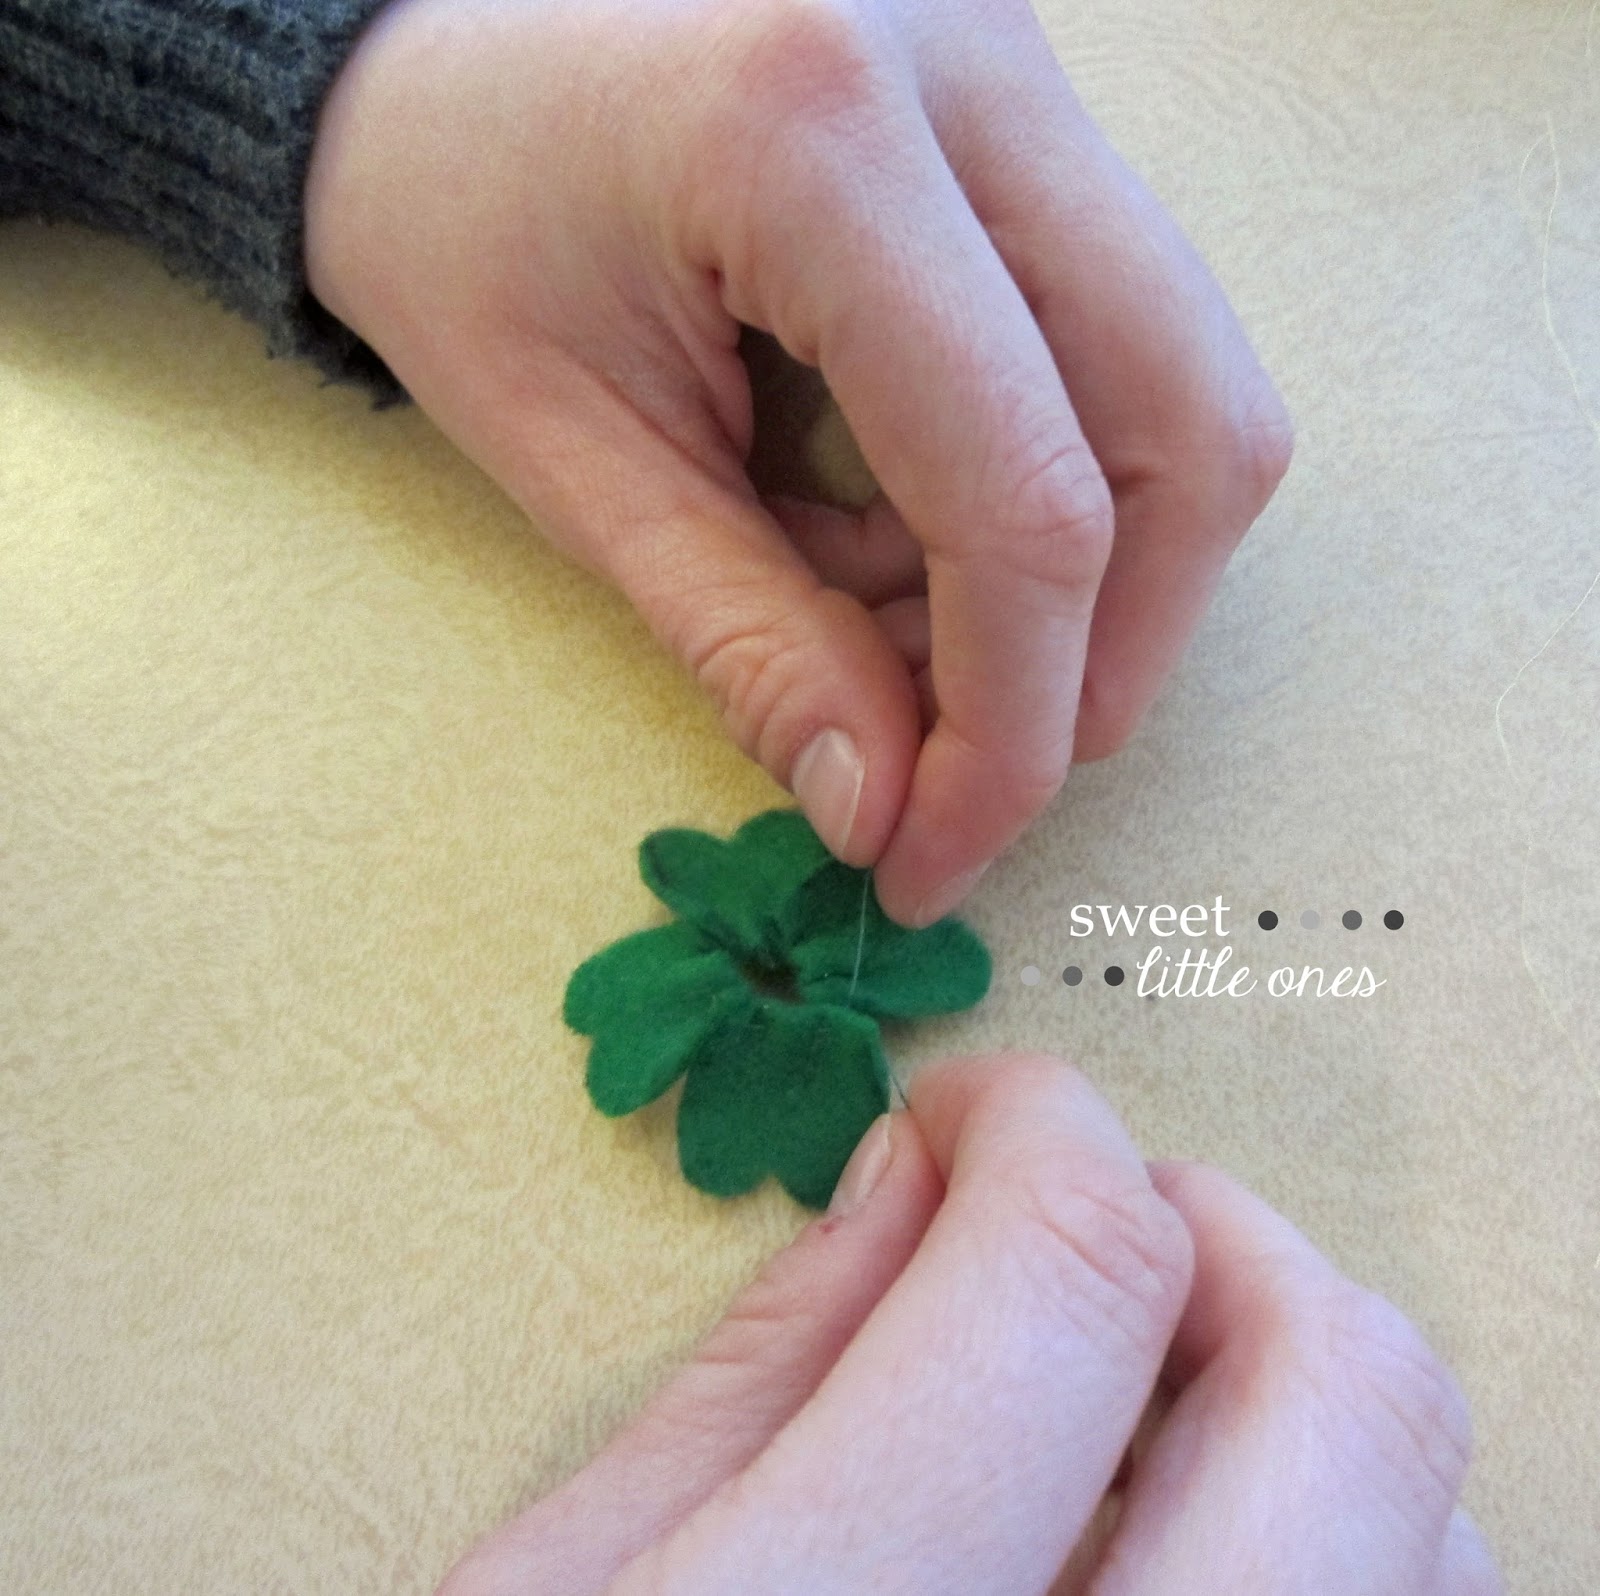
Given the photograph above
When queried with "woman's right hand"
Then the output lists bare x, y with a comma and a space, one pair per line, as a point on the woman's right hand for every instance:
939, 1388
552, 219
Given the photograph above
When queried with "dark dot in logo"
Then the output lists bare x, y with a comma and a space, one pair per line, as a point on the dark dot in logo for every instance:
1394, 919
1267, 920
1114, 975
1072, 975
1352, 919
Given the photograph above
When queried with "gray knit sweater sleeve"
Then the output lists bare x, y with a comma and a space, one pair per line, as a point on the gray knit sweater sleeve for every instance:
187, 125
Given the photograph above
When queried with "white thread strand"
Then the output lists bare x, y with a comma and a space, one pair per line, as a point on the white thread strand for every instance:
861, 934
1593, 422
855, 973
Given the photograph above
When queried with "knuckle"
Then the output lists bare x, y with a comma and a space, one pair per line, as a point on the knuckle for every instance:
750, 1348
746, 669
1108, 1253
1035, 783
1260, 443
1058, 517
1030, 778
794, 102
1031, 782
1225, 452
806, 59
1383, 1376
758, 1329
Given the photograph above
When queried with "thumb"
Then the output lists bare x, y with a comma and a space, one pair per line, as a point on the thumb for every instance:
807, 682
748, 1378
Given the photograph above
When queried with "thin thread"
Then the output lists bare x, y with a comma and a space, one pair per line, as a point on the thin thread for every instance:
861, 932
1559, 27
1566, 620
861, 943
1584, 408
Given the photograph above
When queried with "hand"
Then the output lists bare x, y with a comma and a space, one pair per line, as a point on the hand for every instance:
931, 1391
552, 217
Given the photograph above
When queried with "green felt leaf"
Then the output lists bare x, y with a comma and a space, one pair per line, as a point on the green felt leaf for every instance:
782, 845
647, 1001
787, 1090
735, 891
829, 899
854, 954
694, 874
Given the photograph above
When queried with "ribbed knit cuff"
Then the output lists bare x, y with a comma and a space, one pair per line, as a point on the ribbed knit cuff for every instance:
188, 125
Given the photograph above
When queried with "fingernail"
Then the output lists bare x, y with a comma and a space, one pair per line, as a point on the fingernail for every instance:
864, 1171
827, 779
940, 903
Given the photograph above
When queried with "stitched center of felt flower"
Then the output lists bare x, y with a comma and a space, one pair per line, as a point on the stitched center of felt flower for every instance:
773, 981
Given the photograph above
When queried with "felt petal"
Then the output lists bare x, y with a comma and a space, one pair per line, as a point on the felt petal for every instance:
697, 876
829, 899
647, 1001
868, 962
735, 891
782, 845
789, 1091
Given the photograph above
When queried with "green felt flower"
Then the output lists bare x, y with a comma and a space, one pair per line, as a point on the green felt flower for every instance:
766, 993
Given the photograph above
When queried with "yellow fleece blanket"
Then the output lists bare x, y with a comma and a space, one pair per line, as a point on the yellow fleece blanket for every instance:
319, 772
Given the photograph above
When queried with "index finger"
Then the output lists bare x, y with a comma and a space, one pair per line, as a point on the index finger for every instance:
871, 264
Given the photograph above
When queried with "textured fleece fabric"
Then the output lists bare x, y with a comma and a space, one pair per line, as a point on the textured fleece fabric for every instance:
186, 125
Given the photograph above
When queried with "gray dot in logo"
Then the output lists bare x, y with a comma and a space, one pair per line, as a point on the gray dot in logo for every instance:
1394, 919
1352, 919
1030, 975
1311, 919
1072, 975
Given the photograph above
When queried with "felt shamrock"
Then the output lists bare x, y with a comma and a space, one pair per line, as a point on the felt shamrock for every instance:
766, 993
